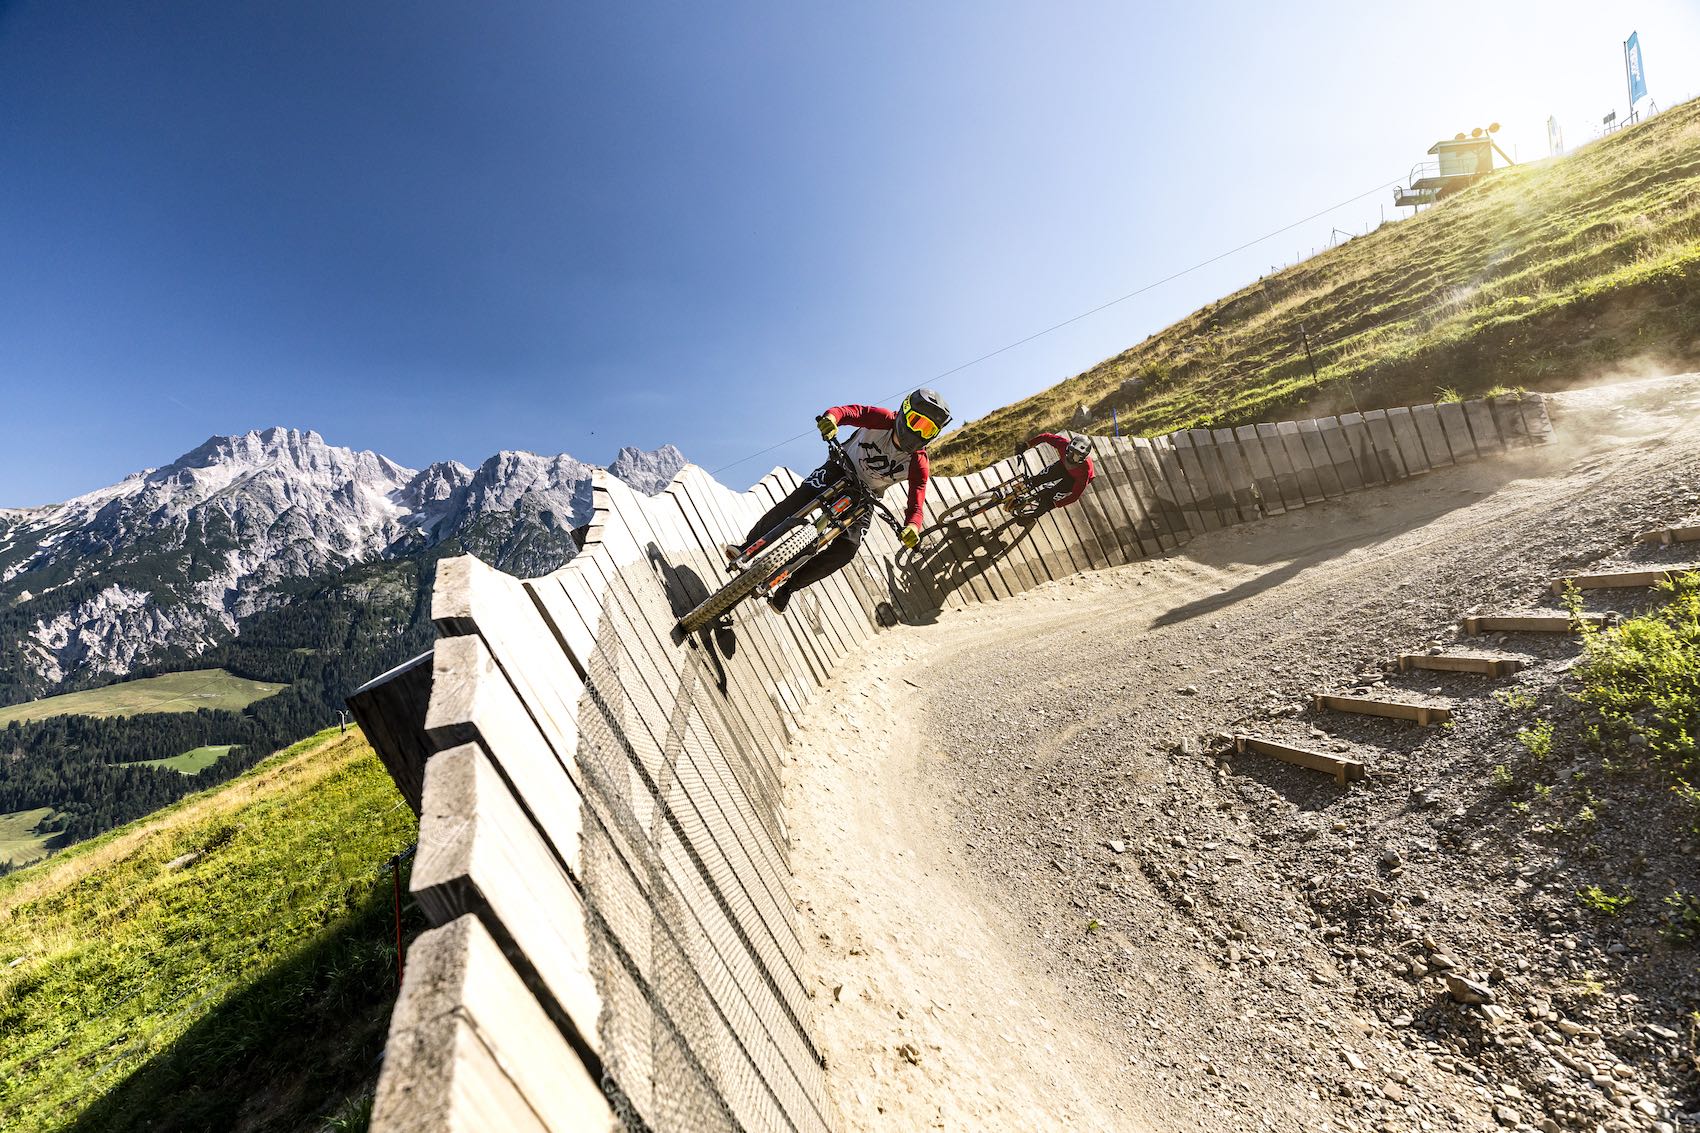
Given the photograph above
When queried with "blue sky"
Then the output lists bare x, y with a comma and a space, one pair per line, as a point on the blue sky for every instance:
443, 229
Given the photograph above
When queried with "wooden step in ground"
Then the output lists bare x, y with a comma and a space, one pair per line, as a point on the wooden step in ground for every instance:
1669, 535
1619, 581
1423, 714
1461, 663
1343, 769
1526, 623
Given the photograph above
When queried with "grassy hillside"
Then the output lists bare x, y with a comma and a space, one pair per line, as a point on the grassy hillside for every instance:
1544, 274
174, 692
226, 963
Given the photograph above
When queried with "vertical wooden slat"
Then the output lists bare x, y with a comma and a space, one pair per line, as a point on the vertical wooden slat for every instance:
1340, 453
1427, 420
1327, 479
1410, 444
1457, 430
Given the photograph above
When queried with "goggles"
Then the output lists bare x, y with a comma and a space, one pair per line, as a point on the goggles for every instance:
920, 424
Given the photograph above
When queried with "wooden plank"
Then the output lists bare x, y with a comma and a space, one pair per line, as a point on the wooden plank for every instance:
1457, 429
1365, 456
472, 702
1304, 469
1090, 508
960, 579
1327, 479
1670, 535
1237, 472
916, 599
469, 1049
1536, 424
1026, 545
1525, 623
1422, 714
1460, 663
1068, 525
1427, 420
1340, 454
1508, 419
1215, 476
1162, 505
1483, 431
390, 710
1623, 580
1387, 451
1344, 770
1264, 483
1191, 468
1124, 511
1006, 569
479, 854
1061, 560
703, 838
1410, 444
1281, 462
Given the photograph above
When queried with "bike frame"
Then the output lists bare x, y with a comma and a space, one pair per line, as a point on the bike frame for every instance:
836, 507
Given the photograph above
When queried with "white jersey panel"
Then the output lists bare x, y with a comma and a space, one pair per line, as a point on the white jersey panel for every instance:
879, 462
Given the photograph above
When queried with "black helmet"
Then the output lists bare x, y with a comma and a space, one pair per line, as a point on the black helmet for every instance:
1078, 449
922, 417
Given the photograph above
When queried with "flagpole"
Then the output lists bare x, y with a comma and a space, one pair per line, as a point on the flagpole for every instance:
1628, 82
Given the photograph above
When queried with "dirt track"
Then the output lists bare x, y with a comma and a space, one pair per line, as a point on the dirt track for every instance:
1039, 894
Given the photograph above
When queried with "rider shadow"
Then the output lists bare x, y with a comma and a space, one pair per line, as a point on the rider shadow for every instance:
966, 552
685, 589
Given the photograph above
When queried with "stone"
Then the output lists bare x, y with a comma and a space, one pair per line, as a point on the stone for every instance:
1441, 962
1117, 846
1189, 690
1468, 991
1505, 1115
1390, 857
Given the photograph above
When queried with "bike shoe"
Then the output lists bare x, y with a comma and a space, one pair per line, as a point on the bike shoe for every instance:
778, 600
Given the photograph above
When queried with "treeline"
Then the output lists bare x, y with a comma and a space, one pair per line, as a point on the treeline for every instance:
331, 638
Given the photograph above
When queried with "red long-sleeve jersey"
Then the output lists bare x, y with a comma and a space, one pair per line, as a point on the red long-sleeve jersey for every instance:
879, 462
1081, 476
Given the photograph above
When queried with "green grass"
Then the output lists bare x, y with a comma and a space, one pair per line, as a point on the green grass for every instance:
197, 759
1642, 681
174, 692
249, 988
1543, 274
19, 843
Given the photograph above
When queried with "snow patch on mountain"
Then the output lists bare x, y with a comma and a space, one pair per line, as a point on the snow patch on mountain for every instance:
188, 549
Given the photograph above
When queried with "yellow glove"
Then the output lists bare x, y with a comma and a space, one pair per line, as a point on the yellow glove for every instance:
910, 535
828, 426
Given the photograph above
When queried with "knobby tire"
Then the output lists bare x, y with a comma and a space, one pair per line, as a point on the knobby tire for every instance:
764, 566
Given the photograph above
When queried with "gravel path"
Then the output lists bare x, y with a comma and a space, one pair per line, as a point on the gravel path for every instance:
1040, 892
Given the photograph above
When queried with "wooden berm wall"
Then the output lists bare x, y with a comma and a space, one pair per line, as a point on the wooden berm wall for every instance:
602, 849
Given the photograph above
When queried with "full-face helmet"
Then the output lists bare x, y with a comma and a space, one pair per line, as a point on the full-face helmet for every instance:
1077, 452
921, 417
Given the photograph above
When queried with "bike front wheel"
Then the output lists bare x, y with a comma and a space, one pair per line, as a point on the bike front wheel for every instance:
764, 566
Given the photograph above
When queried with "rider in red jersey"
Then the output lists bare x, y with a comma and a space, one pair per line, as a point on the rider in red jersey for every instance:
885, 448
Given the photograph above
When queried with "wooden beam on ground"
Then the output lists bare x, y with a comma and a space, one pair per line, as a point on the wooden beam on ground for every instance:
1669, 535
1625, 580
1460, 663
1526, 623
1422, 714
1344, 770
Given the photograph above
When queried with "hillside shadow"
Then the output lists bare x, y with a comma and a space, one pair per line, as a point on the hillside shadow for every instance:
285, 1052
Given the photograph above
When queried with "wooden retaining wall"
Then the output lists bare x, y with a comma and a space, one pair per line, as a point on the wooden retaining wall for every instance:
602, 849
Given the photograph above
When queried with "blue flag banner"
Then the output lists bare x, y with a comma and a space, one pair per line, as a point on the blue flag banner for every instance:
1637, 73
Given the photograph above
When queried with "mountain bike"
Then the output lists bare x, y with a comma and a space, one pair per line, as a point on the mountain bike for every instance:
766, 563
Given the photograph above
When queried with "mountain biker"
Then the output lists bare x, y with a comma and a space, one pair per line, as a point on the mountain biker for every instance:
1061, 483
885, 448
